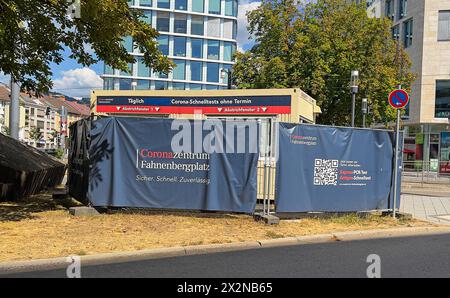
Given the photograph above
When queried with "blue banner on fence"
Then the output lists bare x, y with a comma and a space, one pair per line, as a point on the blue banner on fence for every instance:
133, 164
333, 169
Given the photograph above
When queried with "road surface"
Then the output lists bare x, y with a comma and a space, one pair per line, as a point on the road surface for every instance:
420, 256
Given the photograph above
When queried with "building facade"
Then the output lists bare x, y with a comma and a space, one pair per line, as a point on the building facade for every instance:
199, 36
423, 29
39, 117
40, 120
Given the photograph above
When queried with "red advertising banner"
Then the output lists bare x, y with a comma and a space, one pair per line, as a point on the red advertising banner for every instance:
270, 104
444, 167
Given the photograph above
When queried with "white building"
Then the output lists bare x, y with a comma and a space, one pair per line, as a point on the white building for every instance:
199, 36
423, 28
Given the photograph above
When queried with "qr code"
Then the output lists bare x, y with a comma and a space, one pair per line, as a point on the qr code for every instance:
325, 171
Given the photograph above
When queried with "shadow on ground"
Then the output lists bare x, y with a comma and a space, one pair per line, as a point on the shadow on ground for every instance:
29, 207
183, 213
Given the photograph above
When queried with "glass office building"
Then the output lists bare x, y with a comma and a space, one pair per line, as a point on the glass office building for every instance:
199, 36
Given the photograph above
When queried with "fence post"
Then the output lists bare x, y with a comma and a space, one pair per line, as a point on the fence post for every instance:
266, 148
271, 157
423, 165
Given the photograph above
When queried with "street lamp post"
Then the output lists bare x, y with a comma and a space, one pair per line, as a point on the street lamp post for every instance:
364, 110
14, 109
226, 73
354, 90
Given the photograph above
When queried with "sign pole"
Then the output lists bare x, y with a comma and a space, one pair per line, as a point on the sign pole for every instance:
397, 136
398, 99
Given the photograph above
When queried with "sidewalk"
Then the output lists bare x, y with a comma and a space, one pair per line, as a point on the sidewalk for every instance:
430, 208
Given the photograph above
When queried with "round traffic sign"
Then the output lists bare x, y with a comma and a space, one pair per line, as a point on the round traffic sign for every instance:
398, 99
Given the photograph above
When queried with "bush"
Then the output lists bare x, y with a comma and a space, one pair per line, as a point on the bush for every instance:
59, 153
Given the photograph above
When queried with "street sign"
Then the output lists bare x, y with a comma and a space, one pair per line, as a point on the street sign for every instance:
398, 99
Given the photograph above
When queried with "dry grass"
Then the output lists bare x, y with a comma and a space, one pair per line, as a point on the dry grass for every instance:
38, 228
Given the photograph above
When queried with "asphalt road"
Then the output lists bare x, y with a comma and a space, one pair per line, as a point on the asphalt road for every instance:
424, 256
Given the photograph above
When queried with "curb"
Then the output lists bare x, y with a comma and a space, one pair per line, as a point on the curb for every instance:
426, 194
158, 253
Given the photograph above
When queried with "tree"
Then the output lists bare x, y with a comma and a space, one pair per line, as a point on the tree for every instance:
34, 34
36, 134
314, 46
3, 128
53, 134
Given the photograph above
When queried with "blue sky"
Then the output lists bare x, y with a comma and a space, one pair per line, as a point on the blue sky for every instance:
73, 79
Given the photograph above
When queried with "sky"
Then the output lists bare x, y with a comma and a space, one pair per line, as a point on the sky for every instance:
71, 78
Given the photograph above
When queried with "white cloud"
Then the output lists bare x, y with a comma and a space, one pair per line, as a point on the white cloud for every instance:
243, 37
77, 82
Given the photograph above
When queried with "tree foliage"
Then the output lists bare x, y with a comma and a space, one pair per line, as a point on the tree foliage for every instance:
34, 34
36, 134
314, 46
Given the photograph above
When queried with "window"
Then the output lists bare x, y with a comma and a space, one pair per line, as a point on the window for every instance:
179, 25
160, 85
179, 46
147, 16
197, 5
228, 50
178, 86
195, 86
162, 21
196, 71
147, 3
212, 87
442, 108
228, 29
179, 70
402, 8
444, 25
197, 25
163, 3
213, 27
181, 4
142, 69
229, 7
214, 6
196, 48
213, 49
108, 84
389, 9
127, 42
125, 84
143, 85
395, 32
163, 44
408, 33
212, 72
40, 124
108, 69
